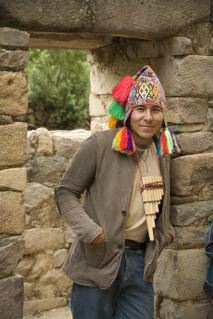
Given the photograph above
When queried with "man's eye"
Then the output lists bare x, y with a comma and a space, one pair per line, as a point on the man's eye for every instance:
156, 110
141, 109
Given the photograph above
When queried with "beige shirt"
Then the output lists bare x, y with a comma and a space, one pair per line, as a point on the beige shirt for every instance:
135, 227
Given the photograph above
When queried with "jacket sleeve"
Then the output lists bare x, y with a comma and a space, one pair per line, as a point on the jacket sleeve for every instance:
77, 178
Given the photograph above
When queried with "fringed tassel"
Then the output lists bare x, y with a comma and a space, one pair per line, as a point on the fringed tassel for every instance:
116, 110
168, 143
121, 91
124, 142
112, 123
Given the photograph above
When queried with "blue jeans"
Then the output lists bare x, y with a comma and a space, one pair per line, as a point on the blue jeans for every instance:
129, 297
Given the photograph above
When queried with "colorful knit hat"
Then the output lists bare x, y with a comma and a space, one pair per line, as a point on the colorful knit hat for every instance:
142, 89
147, 89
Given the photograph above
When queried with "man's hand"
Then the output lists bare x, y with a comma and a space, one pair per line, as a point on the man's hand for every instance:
99, 239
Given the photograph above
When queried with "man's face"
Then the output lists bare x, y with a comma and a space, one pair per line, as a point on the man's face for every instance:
145, 122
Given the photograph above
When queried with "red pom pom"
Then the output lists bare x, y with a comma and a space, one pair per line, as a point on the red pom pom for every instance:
121, 91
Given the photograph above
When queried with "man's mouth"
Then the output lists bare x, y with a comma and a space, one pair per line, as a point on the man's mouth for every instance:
147, 126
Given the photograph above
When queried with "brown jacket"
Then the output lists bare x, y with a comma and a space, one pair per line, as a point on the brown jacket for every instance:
107, 178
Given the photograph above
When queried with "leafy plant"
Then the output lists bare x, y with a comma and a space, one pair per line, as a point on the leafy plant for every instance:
59, 88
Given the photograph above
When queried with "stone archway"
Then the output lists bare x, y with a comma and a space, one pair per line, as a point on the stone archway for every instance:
179, 47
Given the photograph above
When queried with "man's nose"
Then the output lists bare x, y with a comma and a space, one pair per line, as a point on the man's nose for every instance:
148, 115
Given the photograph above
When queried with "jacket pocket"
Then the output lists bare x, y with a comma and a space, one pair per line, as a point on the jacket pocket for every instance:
93, 254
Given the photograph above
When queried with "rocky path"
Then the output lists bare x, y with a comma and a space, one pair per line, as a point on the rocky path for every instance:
59, 313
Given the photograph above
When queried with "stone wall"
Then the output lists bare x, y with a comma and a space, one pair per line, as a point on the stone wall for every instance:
13, 177
46, 237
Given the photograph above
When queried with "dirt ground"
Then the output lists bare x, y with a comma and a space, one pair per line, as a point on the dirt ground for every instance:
59, 313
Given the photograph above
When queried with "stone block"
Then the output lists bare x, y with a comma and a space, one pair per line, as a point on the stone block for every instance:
154, 16
67, 143
45, 215
99, 123
145, 20
180, 274
13, 140
199, 34
13, 179
43, 263
45, 144
13, 38
36, 195
103, 55
11, 252
210, 119
193, 143
38, 239
186, 128
176, 46
13, 93
191, 176
182, 110
144, 49
73, 41
11, 297
46, 291
46, 170
38, 305
189, 237
12, 213
103, 79
197, 213
57, 278
188, 76
170, 309
25, 266
13, 60
98, 104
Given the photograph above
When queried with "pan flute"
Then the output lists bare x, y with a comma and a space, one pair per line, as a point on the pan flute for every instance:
152, 190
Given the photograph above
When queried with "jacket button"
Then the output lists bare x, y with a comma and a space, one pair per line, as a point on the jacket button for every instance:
123, 213
120, 247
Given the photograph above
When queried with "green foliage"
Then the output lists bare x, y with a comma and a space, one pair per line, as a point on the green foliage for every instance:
59, 87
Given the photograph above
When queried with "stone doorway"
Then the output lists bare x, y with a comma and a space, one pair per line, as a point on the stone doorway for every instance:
182, 57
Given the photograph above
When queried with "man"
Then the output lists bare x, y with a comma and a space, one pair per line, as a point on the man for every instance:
112, 260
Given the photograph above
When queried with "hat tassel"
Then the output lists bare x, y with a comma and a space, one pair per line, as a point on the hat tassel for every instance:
124, 142
168, 143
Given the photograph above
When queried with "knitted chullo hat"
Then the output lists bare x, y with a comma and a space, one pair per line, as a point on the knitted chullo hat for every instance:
142, 89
